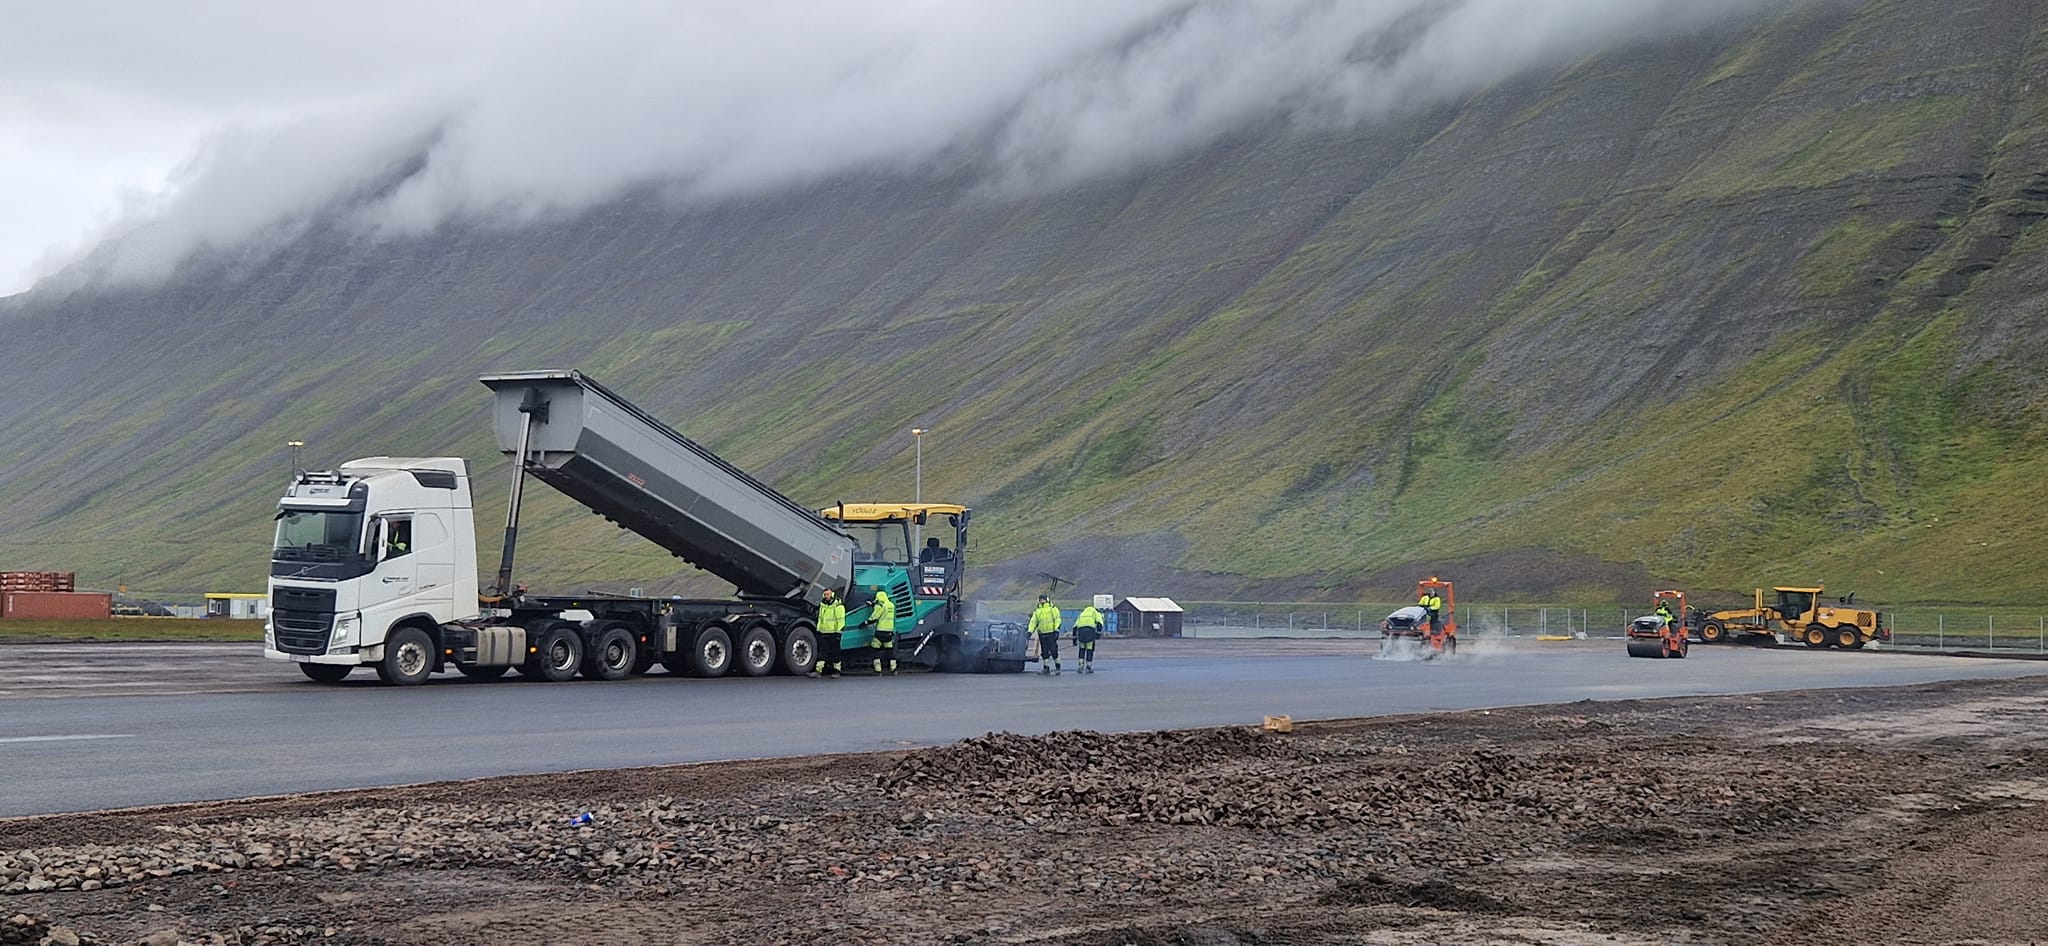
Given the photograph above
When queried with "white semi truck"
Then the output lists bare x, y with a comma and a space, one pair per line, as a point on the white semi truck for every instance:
375, 562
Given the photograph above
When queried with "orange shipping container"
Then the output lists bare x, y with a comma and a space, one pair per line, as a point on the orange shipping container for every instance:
55, 605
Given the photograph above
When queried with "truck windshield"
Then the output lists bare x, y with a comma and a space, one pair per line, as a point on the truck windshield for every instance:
880, 542
315, 536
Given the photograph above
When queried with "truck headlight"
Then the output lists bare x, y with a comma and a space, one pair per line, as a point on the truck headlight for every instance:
345, 628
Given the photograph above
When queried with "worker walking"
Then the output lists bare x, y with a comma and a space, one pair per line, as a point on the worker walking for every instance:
1435, 604
884, 644
831, 622
1045, 622
1087, 628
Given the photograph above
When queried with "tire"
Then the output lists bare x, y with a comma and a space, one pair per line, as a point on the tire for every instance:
1679, 649
558, 654
711, 654
474, 672
1815, 635
408, 658
799, 650
613, 653
1848, 637
646, 654
756, 653
1450, 646
325, 673
1713, 632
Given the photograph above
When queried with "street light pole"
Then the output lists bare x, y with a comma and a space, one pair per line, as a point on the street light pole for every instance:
917, 493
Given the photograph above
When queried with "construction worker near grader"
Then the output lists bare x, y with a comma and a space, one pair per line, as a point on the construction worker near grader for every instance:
884, 645
1045, 622
1087, 628
1435, 604
831, 623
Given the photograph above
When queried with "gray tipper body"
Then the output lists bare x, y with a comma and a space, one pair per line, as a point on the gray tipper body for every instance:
641, 474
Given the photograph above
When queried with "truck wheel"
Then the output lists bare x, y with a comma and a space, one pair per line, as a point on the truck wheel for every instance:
1815, 636
612, 655
645, 656
711, 655
1713, 632
757, 651
408, 658
474, 672
800, 650
1848, 637
325, 673
558, 655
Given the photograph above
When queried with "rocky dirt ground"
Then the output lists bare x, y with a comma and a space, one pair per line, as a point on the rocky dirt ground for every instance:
1905, 815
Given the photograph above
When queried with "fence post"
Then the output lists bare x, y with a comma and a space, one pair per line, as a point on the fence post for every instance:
1990, 632
1941, 632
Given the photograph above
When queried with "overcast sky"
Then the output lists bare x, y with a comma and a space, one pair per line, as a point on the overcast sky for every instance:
163, 128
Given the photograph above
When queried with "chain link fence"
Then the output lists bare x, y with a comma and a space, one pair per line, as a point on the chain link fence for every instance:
2004, 630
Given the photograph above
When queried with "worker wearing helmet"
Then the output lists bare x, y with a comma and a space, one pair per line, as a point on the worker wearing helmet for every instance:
1435, 603
1087, 628
884, 645
831, 622
1664, 611
1045, 622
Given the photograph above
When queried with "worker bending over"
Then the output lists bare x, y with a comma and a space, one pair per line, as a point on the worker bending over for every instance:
1087, 627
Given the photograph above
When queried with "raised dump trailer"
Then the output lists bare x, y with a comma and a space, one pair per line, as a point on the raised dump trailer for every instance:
375, 562
592, 445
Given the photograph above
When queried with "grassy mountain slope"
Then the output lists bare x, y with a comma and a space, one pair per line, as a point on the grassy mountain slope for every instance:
1750, 307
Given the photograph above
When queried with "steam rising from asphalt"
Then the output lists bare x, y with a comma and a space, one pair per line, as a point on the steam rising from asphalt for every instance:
512, 112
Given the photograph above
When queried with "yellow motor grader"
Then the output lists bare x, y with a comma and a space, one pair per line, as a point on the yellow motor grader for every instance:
1800, 615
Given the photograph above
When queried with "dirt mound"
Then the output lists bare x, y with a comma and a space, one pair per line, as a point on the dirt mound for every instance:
1437, 894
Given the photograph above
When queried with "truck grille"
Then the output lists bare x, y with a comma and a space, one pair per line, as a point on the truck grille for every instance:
302, 619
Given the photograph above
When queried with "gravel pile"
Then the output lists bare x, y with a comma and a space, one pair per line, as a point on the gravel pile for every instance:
1336, 803
1356, 817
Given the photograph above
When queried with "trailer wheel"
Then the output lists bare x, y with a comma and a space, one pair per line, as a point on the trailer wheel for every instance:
325, 673
711, 655
800, 650
1816, 636
557, 654
612, 654
757, 650
475, 672
645, 655
1713, 632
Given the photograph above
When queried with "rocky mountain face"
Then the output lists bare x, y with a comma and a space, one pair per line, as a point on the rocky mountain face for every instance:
1753, 307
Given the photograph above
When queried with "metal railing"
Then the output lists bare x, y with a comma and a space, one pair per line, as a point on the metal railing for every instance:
2004, 630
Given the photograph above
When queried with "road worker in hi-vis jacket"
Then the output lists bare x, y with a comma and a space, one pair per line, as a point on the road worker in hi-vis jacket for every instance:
1045, 622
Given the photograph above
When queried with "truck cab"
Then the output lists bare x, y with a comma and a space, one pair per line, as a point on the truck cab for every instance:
374, 544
